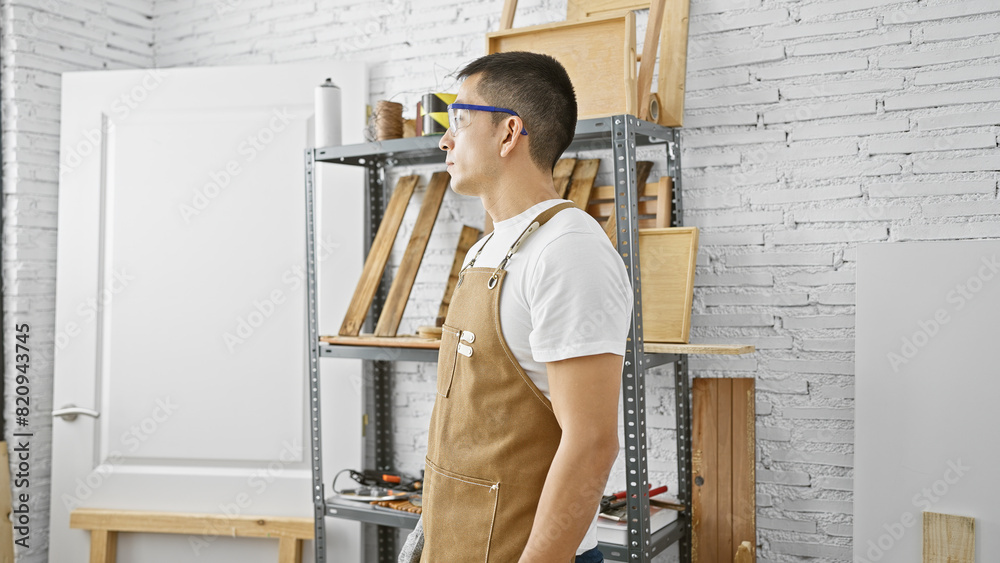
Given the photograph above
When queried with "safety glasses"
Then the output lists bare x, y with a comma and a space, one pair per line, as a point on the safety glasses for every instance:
460, 115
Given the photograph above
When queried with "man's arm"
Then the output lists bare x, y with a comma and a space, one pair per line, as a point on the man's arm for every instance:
585, 400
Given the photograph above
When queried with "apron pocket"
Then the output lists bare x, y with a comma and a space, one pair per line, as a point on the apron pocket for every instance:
447, 358
458, 516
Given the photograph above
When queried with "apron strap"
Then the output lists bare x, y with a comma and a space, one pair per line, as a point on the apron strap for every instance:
539, 220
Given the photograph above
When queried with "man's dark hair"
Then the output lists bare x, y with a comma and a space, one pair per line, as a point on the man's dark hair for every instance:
538, 88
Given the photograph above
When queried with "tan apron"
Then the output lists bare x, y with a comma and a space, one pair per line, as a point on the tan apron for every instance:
492, 434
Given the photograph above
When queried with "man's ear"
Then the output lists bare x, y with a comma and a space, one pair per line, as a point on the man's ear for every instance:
512, 127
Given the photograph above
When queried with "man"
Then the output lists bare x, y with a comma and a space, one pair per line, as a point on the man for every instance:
525, 425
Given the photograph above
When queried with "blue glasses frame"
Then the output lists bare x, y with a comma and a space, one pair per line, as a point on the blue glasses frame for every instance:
475, 107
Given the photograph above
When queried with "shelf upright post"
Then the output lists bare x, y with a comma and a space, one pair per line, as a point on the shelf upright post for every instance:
378, 453
682, 381
312, 365
639, 538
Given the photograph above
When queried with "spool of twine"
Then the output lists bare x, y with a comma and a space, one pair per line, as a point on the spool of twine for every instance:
388, 120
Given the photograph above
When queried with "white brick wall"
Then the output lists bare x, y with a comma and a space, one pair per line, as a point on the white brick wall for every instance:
811, 126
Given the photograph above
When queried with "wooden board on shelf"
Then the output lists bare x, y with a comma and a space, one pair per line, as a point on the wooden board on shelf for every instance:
432, 343
466, 239
582, 183
402, 283
667, 260
722, 443
383, 341
378, 255
598, 53
673, 47
949, 538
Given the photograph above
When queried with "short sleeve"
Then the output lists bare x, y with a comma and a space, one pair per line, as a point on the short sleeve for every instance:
580, 299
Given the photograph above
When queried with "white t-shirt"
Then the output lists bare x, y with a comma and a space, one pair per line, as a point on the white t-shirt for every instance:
566, 294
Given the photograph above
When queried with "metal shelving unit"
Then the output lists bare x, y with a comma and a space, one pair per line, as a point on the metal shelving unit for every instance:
622, 134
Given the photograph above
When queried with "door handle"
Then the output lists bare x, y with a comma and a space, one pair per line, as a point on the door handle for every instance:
70, 412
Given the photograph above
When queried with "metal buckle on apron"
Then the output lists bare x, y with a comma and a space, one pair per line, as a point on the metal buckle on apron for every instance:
493, 280
465, 350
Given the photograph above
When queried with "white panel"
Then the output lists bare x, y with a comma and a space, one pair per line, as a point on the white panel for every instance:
926, 386
200, 191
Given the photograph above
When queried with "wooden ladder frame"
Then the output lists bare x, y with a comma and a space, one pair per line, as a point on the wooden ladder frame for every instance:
105, 524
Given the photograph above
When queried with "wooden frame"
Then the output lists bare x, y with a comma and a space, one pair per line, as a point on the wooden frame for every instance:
598, 53
673, 48
667, 277
105, 524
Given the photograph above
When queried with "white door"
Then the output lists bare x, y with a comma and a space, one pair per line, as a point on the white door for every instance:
180, 303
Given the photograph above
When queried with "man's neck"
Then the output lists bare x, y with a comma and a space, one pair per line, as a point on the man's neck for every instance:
512, 196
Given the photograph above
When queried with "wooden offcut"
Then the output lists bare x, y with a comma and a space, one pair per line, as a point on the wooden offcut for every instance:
598, 54
949, 538
562, 175
466, 239
582, 184
378, 255
667, 260
106, 524
723, 504
402, 283
673, 47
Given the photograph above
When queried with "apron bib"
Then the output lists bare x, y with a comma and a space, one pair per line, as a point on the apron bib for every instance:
492, 433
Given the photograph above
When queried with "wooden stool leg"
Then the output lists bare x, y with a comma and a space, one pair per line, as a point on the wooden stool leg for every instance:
103, 546
289, 550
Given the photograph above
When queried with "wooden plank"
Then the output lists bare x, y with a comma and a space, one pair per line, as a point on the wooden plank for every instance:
667, 258
949, 538
97, 519
584, 174
466, 239
649, 45
378, 256
598, 54
607, 193
562, 175
6, 526
744, 476
606, 208
724, 466
507, 16
289, 550
664, 201
383, 341
673, 63
704, 501
103, 546
399, 291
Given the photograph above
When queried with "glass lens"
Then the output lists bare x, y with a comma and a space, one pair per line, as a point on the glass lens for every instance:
457, 119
